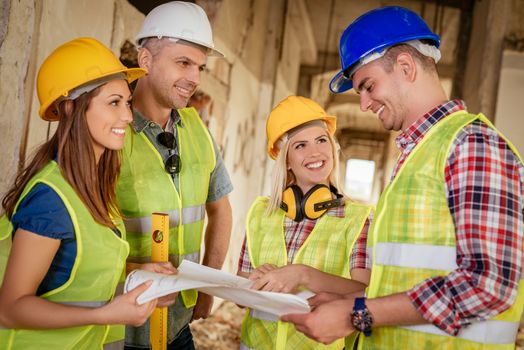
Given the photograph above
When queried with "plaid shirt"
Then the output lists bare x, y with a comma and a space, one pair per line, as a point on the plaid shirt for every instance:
296, 234
485, 191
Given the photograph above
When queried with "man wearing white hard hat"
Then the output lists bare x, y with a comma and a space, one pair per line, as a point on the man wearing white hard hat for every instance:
445, 247
171, 163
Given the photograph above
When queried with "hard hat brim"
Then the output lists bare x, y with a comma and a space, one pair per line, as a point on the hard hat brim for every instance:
131, 73
340, 83
215, 53
211, 50
331, 123
134, 74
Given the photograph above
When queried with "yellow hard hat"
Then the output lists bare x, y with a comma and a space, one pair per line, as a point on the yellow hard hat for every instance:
291, 112
73, 64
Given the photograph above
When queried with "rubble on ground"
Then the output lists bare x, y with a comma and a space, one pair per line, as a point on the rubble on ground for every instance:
221, 331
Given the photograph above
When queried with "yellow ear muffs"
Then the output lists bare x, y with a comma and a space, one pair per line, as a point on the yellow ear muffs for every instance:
312, 205
292, 203
318, 200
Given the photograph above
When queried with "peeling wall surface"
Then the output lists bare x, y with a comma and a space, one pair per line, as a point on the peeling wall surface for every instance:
269, 45
235, 83
508, 116
17, 26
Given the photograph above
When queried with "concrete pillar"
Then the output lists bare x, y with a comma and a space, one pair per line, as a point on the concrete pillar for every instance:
490, 20
18, 23
266, 98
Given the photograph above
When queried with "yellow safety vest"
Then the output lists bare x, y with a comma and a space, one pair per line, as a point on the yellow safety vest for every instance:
328, 248
115, 339
145, 187
99, 263
412, 239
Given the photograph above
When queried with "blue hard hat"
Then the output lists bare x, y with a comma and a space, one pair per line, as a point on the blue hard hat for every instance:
374, 31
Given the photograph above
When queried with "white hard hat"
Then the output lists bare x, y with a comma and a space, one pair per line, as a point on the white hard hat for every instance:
179, 20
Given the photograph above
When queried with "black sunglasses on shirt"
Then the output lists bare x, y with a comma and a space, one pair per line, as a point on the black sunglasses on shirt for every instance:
172, 164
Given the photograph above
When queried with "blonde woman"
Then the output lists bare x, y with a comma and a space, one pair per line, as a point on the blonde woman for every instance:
305, 235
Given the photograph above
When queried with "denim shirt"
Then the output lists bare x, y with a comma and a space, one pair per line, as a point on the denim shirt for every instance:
219, 186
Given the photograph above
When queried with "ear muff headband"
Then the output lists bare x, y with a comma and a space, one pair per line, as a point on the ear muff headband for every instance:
317, 201
312, 205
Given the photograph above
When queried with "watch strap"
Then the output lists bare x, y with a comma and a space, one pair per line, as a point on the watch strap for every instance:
361, 316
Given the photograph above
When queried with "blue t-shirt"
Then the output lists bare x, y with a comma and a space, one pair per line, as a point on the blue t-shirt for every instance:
42, 212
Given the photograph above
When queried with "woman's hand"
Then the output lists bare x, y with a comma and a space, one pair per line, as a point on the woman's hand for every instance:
124, 309
261, 271
323, 297
159, 267
285, 279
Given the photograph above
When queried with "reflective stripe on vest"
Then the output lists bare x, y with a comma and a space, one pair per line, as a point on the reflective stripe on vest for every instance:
327, 248
412, 238
416, 256
489, 332
98, 265
143, 224
245, 347
194, 257
422, 256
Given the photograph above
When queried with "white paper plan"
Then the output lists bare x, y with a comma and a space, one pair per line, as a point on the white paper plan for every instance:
269, 305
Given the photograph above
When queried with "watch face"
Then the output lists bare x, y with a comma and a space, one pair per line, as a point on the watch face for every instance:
362, 320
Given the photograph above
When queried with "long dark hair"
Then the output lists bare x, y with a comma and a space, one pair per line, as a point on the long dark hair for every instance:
72, 145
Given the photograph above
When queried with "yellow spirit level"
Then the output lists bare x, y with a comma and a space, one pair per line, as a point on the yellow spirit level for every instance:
159, 253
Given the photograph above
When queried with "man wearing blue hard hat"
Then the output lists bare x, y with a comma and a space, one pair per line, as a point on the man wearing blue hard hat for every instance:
445, 247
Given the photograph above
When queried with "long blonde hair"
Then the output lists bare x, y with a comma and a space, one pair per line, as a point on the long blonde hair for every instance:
282, 177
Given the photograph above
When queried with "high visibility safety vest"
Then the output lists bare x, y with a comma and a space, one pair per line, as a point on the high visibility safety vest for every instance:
328, 248
100, 261
145, 187
115, 339
412, 239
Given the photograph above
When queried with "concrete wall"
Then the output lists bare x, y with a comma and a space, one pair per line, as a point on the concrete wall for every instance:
34, 29
265, 42
240, 33
263, 46
17, 28
508, 116
259, 39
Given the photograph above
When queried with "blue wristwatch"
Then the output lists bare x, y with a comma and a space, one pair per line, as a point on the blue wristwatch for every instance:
361, 317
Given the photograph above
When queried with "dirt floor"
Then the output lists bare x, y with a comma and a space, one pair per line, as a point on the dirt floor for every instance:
221, 331
520, 338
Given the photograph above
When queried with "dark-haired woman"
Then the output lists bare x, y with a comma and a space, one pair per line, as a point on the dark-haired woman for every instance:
68, 252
